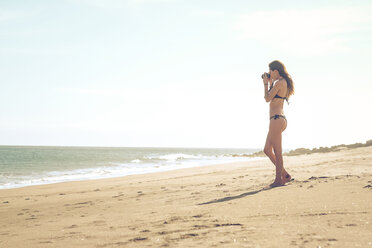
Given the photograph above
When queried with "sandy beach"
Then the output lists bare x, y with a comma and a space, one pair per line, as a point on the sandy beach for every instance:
329, 204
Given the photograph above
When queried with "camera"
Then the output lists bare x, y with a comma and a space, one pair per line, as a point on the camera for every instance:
265, 74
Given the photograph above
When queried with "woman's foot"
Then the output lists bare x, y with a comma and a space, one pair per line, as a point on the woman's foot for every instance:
277, 183
287, 178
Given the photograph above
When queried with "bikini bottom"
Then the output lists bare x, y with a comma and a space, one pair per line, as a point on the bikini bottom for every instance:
277, 117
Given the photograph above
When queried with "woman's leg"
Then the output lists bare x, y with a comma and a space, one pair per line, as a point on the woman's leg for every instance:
268, 150
275, 134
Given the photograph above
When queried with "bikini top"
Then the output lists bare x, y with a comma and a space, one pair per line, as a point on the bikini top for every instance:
277, 96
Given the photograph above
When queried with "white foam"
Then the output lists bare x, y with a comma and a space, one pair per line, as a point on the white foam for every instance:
175, 156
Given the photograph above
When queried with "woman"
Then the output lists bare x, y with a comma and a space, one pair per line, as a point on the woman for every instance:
281, 88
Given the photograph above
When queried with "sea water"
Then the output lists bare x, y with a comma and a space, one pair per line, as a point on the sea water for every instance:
27, 165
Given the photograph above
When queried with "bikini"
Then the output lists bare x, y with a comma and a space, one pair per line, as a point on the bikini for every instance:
284, 98
278, 116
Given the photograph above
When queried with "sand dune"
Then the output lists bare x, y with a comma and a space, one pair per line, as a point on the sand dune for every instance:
329, 204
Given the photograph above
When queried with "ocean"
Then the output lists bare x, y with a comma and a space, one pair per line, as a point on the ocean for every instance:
30, 165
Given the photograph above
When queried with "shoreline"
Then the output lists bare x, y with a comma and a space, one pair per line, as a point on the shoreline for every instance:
149, 171
328, 204
36, 166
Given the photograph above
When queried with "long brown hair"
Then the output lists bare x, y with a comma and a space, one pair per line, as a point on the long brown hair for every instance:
277, 65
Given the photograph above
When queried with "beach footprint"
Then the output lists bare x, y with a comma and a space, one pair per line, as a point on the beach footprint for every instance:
220, 185
72, 226
120, 194
99, 223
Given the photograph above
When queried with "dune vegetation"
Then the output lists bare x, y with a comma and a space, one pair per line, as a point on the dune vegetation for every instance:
300, 151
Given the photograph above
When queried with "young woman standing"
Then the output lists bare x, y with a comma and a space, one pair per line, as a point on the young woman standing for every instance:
278, 86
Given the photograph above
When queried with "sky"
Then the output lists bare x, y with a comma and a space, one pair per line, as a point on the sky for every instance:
182, 73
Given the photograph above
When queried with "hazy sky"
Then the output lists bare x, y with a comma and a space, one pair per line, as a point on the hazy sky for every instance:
182, 73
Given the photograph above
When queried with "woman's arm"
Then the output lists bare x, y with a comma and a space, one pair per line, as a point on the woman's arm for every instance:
266, 90
270, 95
266, 82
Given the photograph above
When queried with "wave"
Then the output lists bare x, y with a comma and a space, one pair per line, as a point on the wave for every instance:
178, 156
115, 170
53, 165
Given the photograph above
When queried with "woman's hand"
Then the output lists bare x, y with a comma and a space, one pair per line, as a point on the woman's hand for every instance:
266, 80
271, 82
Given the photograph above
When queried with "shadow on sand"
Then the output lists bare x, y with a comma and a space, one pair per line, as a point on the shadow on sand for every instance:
230, 198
